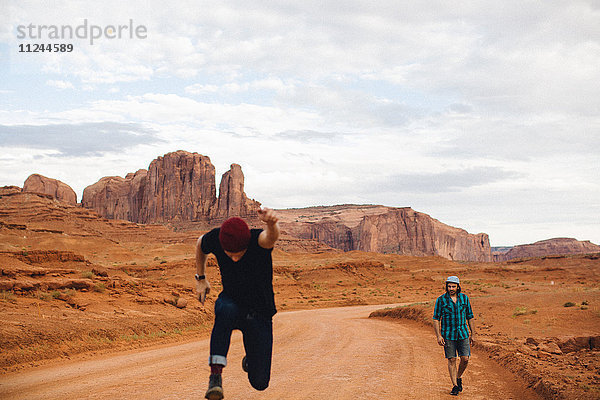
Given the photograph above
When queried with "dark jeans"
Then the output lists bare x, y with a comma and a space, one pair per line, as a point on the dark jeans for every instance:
257, 332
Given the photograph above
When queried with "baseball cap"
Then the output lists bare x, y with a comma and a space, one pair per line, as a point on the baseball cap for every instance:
453, 279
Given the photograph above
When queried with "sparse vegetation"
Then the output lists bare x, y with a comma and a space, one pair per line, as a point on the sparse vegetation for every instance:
8, 296
99, 287
44, 296
569, 304
522, 310
87, 275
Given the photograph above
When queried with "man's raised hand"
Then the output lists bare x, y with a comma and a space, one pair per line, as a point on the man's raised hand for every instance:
267, 215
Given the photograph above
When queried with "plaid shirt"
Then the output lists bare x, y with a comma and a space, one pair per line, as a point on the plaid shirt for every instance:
453, 316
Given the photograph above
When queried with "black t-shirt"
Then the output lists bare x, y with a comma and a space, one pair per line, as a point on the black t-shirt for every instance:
248, 282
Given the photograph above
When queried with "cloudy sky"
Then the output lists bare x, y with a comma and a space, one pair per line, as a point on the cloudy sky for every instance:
483, 114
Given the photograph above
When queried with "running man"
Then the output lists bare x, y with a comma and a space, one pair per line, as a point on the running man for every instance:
247, 300
451, 317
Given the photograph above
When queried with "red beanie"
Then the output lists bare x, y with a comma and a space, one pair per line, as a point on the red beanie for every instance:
234, 235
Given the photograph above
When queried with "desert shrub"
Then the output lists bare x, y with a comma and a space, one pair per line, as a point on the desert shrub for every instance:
569, 304
45, 296
522, 310
7, 296
99, 287
87, 275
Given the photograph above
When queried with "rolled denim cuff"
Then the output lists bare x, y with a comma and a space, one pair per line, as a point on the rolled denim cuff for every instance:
215, 359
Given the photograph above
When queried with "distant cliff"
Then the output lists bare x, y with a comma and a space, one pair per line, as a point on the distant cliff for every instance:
179, 186
549, 247
385, 230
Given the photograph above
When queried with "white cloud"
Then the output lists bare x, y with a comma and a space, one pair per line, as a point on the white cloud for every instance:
60, 84
271, 84
199, 88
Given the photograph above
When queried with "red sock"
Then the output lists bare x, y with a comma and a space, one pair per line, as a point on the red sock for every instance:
216, 369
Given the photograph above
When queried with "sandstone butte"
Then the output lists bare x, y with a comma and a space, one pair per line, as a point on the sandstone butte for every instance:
179, 189
40, 184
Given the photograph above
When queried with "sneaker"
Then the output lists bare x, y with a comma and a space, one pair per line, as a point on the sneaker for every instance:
215, 388
455, 391
245, 364
459, 384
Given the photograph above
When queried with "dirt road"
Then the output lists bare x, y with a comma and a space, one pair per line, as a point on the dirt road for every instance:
319, 354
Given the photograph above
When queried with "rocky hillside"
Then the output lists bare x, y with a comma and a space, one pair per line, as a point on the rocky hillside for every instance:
179, 186
385, 230
543, 248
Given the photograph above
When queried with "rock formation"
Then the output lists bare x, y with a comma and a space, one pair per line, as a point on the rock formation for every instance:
385, 230
60, 191
178, 187
115, 197
232, 199
405, 231
549, 247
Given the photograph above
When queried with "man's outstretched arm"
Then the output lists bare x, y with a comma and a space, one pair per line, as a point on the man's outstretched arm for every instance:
270, 234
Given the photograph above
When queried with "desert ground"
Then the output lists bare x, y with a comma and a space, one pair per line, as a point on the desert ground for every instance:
94, 304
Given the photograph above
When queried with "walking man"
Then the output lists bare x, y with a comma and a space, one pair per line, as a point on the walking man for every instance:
451, 318
247, 300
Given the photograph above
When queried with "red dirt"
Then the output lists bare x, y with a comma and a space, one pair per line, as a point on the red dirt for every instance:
74, 285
